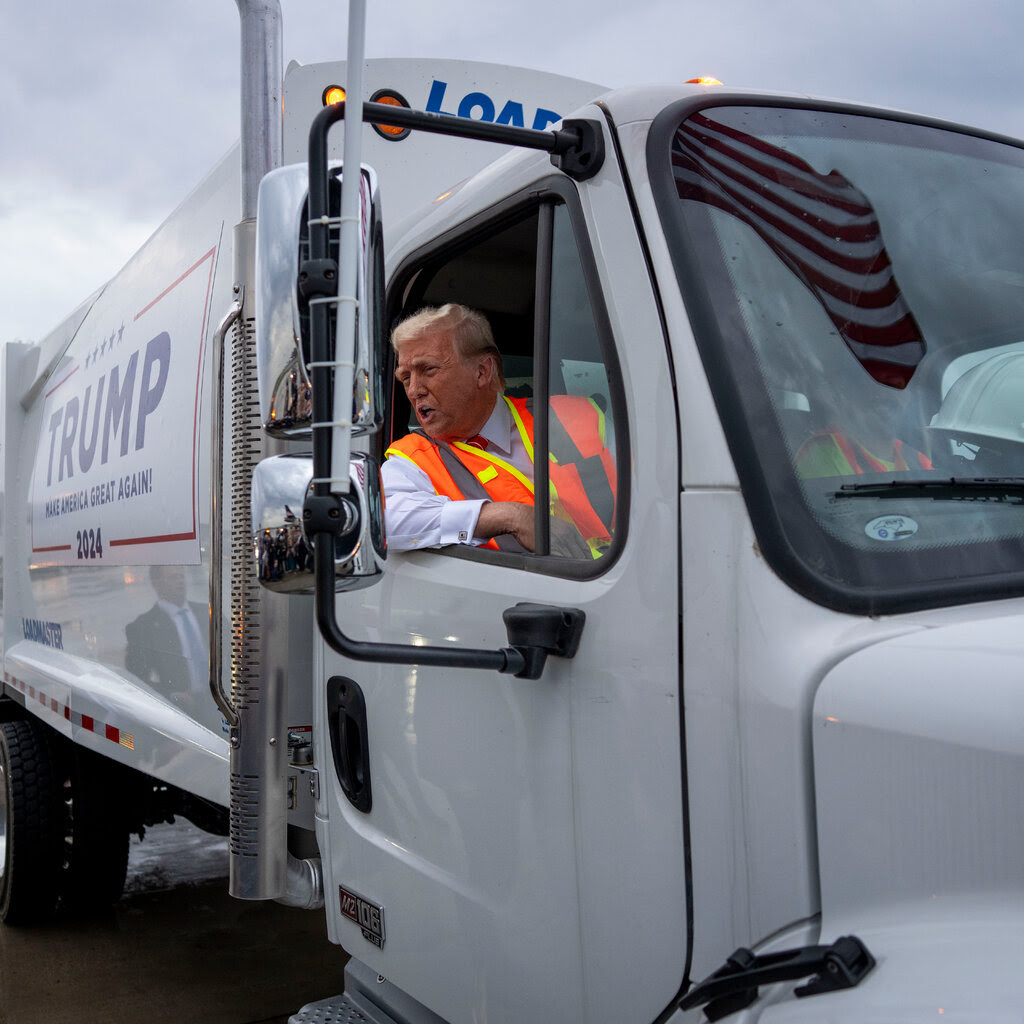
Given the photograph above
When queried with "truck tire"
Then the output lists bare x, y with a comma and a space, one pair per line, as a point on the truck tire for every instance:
30, 819
95, 834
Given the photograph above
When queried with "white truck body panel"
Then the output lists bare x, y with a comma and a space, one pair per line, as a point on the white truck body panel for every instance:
925, 758
953, 712
149, 498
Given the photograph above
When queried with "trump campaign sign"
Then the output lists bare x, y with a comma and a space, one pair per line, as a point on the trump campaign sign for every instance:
115, 478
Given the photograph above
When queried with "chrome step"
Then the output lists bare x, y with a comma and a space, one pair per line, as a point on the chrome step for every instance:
339, 1009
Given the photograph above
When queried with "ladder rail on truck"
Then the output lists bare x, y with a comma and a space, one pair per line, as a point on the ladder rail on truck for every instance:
761, 758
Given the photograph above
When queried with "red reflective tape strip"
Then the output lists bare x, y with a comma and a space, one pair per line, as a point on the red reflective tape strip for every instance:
110, 732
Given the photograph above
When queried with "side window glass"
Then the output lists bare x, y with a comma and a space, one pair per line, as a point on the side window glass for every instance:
580, 426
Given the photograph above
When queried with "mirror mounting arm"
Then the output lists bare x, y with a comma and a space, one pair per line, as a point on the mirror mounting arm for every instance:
534, 631
577, 148
509, 660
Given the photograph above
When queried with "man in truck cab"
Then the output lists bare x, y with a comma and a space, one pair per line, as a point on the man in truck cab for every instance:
466, 476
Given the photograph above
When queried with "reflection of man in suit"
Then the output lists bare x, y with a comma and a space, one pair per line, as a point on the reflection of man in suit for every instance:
168, 646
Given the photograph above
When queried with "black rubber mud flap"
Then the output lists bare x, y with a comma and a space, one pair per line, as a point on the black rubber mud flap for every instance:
95, 833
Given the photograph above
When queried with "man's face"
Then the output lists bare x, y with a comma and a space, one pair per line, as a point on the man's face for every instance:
170, 584
452, 398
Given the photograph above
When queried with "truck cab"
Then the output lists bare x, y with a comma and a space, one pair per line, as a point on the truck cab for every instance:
800, 324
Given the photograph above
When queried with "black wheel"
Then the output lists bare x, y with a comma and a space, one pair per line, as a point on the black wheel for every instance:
95, 833
30, 824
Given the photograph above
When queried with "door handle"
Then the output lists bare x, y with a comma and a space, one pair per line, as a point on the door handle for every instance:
346, 716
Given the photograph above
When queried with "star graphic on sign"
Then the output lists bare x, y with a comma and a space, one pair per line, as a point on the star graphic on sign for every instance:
120, 334
103, 348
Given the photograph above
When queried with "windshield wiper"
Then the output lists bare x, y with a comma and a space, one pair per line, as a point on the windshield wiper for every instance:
955, 488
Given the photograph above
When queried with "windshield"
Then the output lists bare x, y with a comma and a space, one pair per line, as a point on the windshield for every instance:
856, 285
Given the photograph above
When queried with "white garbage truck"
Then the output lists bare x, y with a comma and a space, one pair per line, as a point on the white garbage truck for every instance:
755, 754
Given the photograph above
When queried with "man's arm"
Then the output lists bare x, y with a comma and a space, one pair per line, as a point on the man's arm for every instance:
512, 517
416, 517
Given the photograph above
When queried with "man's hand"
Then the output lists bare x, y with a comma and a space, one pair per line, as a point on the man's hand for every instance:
506, 517
515, 518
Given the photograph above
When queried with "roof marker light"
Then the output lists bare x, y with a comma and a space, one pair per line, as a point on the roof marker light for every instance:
703, 80
393, 99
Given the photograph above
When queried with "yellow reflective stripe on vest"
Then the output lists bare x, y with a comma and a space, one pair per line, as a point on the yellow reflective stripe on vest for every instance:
392, 452
500, 463
396, 451
528, 445
520, 426
600, 421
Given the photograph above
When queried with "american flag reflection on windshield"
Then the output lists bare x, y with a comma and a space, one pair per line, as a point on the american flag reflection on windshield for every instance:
820, 225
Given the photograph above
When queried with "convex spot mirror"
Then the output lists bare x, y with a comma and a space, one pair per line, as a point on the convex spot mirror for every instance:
283, 551
282, 303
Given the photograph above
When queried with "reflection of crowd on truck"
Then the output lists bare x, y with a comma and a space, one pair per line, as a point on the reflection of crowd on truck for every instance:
283, 551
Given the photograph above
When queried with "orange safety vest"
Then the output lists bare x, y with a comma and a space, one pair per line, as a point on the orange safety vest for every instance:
838, 453
576, 432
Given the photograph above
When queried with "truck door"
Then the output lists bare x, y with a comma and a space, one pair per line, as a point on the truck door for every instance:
519, 851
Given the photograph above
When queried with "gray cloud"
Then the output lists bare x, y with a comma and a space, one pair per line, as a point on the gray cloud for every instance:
113, 112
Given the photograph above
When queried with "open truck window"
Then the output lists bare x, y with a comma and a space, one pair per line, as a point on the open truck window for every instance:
526, 272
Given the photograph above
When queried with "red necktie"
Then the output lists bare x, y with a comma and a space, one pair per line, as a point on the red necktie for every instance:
478, 442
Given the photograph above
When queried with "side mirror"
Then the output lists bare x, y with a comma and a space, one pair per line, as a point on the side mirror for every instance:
281, 547
284, 297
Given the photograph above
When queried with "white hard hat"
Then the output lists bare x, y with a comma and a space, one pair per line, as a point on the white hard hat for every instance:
985, 406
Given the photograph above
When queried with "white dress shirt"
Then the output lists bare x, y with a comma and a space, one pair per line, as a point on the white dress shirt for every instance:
418, 517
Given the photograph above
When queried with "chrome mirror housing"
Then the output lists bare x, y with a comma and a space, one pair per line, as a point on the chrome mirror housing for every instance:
284, 389
283, 297
282, 550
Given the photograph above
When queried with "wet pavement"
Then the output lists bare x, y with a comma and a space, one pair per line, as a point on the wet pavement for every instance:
176, 948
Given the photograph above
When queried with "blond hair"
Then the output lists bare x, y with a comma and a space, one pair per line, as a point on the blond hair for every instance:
469, 331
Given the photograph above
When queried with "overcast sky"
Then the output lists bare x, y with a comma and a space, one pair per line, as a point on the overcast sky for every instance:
113, 111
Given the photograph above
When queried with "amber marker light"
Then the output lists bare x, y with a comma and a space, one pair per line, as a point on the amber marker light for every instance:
392, 99
703, 80
333, 95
